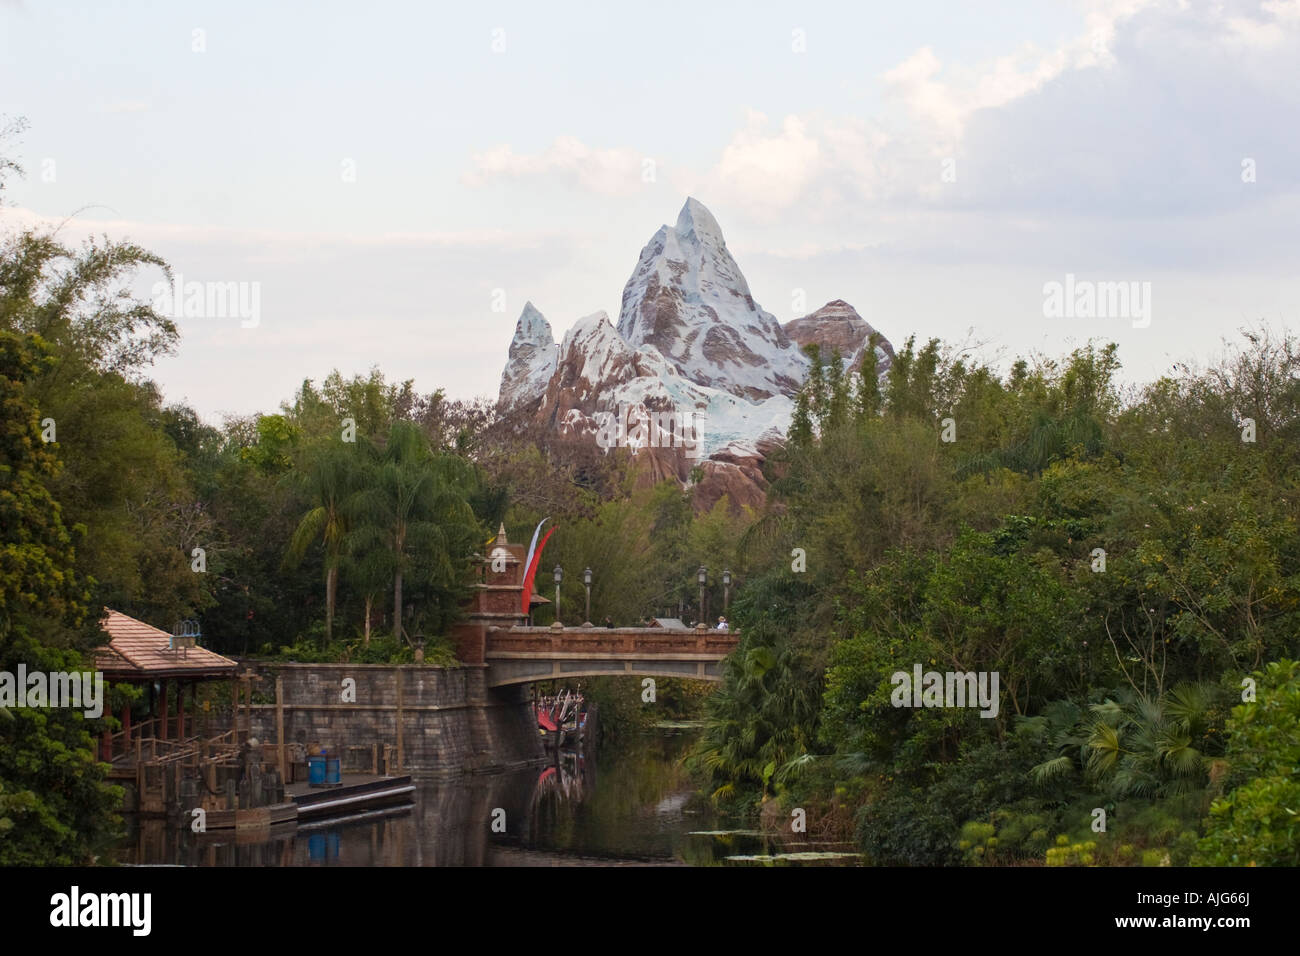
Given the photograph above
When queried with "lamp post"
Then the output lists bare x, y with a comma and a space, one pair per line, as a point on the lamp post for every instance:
726, 591
586, 582
559, 576
703, 577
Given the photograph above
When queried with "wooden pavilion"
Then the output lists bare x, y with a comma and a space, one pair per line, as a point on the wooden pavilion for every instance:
140, 654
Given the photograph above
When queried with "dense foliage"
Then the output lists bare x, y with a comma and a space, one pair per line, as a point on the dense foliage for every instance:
1121, 562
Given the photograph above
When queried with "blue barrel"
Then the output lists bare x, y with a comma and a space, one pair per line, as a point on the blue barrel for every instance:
316, 771
333, 770
323, 846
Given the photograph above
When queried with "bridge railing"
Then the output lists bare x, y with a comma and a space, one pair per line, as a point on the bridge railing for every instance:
618, 640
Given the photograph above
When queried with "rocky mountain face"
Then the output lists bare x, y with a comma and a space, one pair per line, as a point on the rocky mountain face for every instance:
837, 325
696, 379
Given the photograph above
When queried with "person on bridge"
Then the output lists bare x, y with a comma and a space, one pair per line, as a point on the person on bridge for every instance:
609, 621
722, 624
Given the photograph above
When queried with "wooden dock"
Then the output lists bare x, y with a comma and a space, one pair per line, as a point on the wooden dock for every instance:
359, 791
255, 818
239, 788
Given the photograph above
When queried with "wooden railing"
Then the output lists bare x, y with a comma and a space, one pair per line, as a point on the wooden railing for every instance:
144, 748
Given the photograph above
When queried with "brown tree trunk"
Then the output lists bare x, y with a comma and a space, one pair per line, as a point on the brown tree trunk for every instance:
331, 588
397, 607
369, 600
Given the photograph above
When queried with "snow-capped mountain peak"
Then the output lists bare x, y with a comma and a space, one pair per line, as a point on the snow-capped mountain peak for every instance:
688, 298
532, 359
695, 222
532, 328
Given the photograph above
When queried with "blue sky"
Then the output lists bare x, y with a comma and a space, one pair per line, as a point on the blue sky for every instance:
500, 153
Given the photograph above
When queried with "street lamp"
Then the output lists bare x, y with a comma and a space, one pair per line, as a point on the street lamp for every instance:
726, 590
703, 577
559, 576
586, 582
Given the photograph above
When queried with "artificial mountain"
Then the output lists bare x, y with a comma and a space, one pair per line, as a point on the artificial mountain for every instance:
690, 339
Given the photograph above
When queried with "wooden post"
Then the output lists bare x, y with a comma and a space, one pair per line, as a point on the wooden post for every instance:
374, 758
247, 678
279, 723
401, 753
180, 710
126, 725
234, 711
165, 715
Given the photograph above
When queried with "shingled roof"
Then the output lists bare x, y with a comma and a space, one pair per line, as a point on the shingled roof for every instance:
137, 650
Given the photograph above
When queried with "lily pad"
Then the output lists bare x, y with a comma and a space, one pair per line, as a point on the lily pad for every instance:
797, 857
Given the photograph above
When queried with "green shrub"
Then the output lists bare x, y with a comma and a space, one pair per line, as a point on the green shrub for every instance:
1258, 822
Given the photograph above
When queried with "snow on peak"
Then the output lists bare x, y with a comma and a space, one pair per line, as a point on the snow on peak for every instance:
532, 328
689, 299
593, 351
532, 359
593, 333
696, 221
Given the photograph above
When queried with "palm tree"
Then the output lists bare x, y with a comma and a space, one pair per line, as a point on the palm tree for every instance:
415, 506
1135, 746
328, 484
760, 718
368, 566
1153, 747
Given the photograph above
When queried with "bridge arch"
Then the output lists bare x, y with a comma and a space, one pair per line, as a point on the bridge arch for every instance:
507, 673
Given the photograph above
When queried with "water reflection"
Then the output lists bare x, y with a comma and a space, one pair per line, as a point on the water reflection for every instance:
638, 808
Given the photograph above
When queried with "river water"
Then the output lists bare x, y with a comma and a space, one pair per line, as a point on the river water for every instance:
632, 805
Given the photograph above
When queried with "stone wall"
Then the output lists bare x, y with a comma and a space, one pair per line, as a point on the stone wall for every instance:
450, 722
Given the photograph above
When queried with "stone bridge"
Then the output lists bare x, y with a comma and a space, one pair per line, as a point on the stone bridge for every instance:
519, 655
495, 633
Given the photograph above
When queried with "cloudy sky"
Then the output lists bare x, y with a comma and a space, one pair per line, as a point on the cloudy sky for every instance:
397, 180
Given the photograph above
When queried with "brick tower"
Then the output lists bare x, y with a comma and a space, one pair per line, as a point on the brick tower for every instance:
496, 599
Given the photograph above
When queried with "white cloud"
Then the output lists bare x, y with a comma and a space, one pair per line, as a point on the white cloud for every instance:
768, 168
608, 172
1151, 111
946, 104
1265, 32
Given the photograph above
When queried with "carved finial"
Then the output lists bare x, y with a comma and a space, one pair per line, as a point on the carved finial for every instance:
501, 534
